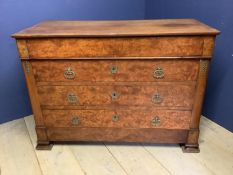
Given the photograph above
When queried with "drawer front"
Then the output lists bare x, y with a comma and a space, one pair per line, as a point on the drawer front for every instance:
148, 118
163, 94
111, 71
115, 47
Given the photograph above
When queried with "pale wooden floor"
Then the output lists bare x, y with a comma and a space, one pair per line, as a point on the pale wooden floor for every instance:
18, 156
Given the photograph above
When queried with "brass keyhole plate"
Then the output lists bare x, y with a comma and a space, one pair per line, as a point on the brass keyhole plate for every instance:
156, 98
115, 118
115, 95
113, 69
72, 98
75, 121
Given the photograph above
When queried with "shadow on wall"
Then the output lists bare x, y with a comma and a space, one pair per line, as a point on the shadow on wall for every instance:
16, 15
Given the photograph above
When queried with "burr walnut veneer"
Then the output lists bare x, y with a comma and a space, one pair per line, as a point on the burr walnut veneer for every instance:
127, 81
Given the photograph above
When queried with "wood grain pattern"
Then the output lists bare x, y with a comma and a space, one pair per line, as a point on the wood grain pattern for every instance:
112, 107
42, 138
127, 71
192, 140
171, 94
169, 119
147, 135
117, 28
208, 46
115, 47
22, 48
115, 83
200, 91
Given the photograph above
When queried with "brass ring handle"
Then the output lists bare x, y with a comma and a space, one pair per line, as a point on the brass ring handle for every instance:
155, 121
115, 95
159, 73
75, 121
69, 73
115, 118
113, 69
156, 98
72, 98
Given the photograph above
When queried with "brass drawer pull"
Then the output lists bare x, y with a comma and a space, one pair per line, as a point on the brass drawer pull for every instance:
113, 69
157, 99
155, 121
69, 73
115, 95
72, 98
75, 121
115, 118
159, 73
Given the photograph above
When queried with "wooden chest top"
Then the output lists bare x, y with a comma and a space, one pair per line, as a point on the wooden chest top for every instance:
116, 28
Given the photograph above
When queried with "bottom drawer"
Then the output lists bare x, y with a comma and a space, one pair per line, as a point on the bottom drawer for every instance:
127, 118
118, 135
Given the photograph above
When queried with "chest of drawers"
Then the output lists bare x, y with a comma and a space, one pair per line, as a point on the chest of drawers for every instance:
117, 81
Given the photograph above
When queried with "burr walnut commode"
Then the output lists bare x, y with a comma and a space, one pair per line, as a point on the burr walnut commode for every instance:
126, 81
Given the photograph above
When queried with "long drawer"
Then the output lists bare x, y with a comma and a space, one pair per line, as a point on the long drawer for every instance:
111, 71
162, 94
146, 118
115, 47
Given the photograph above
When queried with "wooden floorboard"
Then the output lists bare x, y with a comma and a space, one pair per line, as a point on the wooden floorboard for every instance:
178, 163
18, 156
217, 134
216, 144
136, 160
60, 160
96, 159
